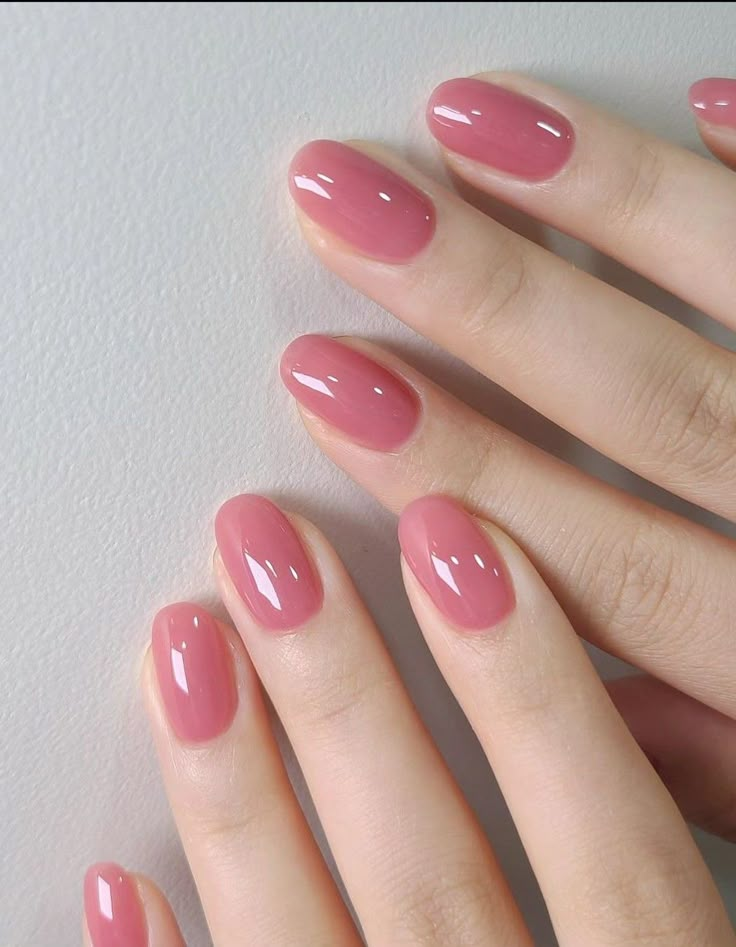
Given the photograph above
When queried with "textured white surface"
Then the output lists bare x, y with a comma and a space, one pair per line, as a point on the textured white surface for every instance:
150, 275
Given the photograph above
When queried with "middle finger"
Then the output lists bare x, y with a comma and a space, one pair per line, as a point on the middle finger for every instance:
414, 861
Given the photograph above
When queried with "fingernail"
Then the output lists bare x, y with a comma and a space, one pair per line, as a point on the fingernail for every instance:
351, 391
195, 672
112, 908
455, 563
500, 128
373, 209
714, 101
267, 563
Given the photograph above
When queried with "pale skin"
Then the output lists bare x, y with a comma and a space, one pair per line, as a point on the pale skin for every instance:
605, 832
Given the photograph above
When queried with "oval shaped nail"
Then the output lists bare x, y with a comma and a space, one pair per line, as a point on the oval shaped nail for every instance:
714, 101
112, 908
351, 391
500, 128
364, 203
195, 673
267, 563
455, 562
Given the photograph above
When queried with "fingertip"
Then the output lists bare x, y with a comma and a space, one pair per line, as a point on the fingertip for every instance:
269, 568
720, 141
713, 104
144, 666
163, 928
713, 100
114, 910
458, 564
292, 356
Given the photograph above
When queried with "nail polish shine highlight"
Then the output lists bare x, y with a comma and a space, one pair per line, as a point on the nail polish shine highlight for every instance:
454, 561
195, 672
267, 563
714, 101
361, 201
501, 128
351, 391
112, 908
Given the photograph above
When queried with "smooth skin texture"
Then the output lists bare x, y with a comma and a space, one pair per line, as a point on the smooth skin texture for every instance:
643, 583
414, 861
506, 554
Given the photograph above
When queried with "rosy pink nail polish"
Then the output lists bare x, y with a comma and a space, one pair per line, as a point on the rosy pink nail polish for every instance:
112, 908
714, 101
267, 563
361, 201
500, 128
351, 391
195, 672
455, 563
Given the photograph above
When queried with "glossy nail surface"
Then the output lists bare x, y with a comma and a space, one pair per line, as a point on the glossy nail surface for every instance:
714, 101
351, 391
500, 128
195, 672
362, 202
112, 908
267, 563
456, 564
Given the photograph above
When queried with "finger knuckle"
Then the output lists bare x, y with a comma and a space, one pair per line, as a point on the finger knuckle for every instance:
453, 908
650, 901
230, 816
641, 584
498, 291
696, 423
338, 695
638, 188
492, 466
478, 463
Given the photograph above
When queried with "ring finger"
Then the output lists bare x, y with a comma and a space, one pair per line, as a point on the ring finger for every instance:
614, 859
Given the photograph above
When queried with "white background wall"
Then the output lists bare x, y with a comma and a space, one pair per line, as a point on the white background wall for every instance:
150, 275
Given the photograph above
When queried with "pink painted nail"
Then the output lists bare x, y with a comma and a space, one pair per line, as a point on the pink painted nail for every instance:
455, 563
195, 672
351, 391
714, 101
501, 128
267, 562
359, 200
112, 908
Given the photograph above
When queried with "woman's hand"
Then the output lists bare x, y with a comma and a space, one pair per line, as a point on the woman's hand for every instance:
611, 851
612, 854
644, 584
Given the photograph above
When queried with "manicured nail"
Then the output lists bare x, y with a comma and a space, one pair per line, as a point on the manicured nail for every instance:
267, 563
351, 391
377, 212
195, 672
500, 128
456, 564
714, 101
112, 908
